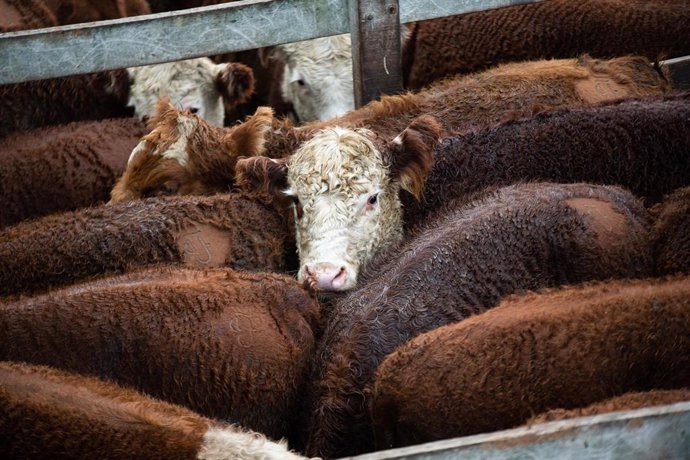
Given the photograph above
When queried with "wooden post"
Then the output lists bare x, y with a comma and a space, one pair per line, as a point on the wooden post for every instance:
376, 62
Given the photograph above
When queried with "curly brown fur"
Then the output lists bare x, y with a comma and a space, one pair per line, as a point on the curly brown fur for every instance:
518, 238
229, 345
55, 101
553, 29
625, 402
485, 98
562, 348
18, 15
639, 144
222, 230
211, 153
671, 233
62, 168
48, 413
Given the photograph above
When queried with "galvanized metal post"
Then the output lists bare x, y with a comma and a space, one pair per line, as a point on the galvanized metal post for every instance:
376, 61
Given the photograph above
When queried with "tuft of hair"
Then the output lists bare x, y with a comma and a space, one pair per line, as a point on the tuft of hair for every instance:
413, 153
235, 82
261, 175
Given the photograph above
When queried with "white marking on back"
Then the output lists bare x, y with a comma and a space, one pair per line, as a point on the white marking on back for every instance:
226, 444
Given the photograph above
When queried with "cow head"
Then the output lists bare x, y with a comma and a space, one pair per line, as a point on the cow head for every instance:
183, 154
344, 191
317, 77
197, 85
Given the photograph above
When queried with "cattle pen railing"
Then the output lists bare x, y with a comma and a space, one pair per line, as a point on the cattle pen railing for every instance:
374, 26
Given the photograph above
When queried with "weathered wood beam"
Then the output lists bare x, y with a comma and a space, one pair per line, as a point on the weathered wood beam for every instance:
150, 39
376, 61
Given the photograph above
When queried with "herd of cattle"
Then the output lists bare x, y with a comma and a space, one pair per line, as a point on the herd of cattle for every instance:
215, 259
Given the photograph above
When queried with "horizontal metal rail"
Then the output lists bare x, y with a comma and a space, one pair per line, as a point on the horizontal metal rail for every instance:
236, 26
650, 433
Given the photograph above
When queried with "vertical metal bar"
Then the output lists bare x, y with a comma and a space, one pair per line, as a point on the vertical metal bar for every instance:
376, 61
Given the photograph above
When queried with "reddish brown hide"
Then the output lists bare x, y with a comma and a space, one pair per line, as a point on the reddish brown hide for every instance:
229, 345
562, 348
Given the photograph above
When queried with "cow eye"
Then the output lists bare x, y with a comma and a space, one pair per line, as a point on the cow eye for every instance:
295, 200
373, 199
300, 82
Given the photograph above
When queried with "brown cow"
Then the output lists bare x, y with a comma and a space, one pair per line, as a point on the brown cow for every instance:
185, 155
562, 348
345, 182
223, 230
229, 345
554, 29
641, 144
463, 262
62, 168
47, 413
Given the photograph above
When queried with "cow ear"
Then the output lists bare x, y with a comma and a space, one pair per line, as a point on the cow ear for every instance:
166, 115
247, 139
262, 175
413, 154
235, 82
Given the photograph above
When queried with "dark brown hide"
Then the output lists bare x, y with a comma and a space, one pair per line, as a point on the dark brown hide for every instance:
63, 168
229, 345
223, 230
563, 348
642, 145
46, 413
552, 29
465, 261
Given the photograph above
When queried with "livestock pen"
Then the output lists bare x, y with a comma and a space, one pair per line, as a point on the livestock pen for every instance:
374, 26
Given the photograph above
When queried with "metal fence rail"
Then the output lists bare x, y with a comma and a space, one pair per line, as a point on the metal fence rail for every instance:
650, 433
162, 37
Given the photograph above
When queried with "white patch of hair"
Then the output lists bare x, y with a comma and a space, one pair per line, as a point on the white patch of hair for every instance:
178, 150
227, 444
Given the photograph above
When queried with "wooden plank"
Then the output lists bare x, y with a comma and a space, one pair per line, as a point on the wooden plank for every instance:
650, 433
680, 71
375, 33
236, 26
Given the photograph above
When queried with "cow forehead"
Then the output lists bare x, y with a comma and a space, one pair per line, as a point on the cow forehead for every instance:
177, 77
336, 159
318, 49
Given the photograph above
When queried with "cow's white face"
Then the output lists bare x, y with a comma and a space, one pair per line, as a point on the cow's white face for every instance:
317, 79
189, 85
345, 206
344, 193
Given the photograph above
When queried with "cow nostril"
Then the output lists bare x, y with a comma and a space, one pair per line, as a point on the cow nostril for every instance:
340, 279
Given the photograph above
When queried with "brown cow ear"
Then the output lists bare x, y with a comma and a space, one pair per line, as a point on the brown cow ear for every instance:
413, 154
235, 82
247, 139
264, 175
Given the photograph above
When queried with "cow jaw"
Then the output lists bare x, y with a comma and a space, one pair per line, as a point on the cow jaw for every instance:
346, 207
